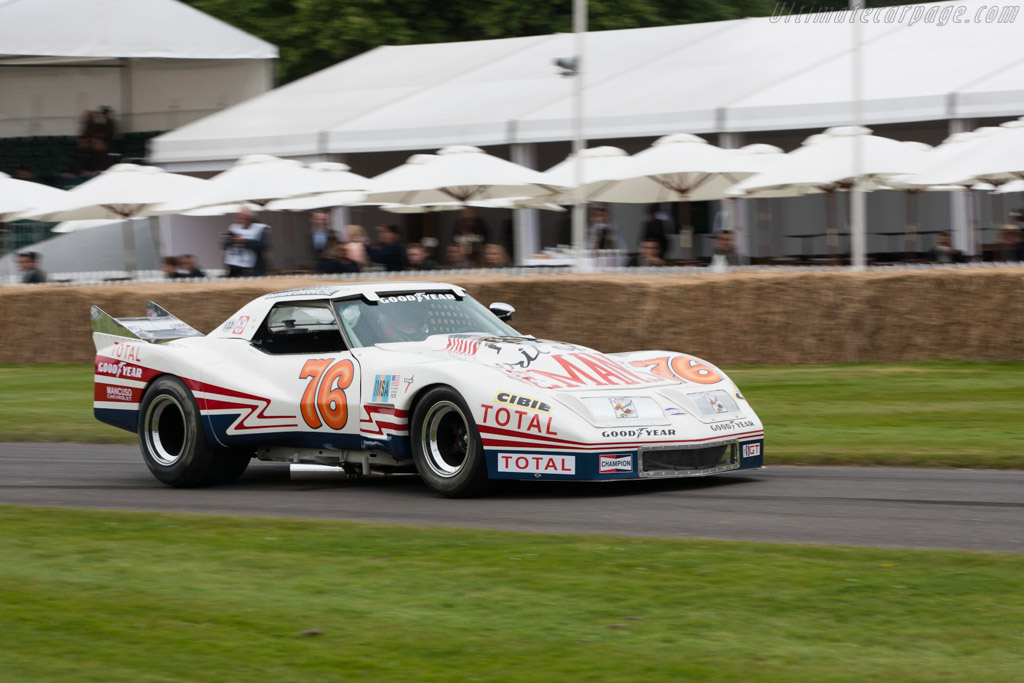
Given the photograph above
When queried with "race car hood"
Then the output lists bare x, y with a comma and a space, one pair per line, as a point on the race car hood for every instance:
541, 363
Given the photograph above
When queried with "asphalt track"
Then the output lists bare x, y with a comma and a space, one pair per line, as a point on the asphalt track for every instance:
888, 507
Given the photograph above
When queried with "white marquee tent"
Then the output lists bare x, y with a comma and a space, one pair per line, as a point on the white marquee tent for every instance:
159, 64
756, 74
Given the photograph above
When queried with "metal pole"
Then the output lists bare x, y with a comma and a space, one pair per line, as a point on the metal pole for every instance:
858, 234
579, 208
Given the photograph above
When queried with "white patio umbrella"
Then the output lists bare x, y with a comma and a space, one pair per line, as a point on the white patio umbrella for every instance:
460, 173
17, 196
509, 203
602, 166
950, 168
259, 179
953, 165
334, 185
75, 226
123, 191
824, 163
680, 167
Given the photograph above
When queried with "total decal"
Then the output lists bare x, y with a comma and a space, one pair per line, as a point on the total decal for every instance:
123, 351
581, 369
520, 420
608, 464
537, 464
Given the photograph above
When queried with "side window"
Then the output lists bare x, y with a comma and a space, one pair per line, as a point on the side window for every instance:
299, 327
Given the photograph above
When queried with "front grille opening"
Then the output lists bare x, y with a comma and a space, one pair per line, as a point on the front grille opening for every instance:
718, 457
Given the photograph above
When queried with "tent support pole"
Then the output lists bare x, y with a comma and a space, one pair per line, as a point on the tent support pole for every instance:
579, 206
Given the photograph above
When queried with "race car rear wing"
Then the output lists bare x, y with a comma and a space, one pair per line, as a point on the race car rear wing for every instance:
158, 325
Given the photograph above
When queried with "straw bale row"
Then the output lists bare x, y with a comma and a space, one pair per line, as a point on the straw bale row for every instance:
773, 318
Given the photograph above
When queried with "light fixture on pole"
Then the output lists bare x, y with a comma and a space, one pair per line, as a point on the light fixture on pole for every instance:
572, 67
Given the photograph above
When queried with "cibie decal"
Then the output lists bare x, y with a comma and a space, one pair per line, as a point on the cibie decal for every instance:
537, 464
418, 296
623, 407
615, 463
751, 450
240, 324
385, 388
511, 399
675, 411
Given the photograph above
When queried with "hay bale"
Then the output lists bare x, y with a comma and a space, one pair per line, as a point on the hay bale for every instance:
773, 318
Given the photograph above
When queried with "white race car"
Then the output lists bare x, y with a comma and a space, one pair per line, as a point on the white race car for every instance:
402, 377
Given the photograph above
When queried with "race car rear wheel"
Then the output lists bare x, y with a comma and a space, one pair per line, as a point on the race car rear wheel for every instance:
174, 444
446, 445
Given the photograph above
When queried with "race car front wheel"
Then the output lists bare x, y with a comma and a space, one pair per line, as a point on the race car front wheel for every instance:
446, 445
174, 444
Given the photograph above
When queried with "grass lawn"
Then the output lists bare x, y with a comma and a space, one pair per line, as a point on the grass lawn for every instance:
101, 596
942, 414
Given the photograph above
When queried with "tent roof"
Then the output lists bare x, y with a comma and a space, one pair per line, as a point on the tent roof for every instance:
767, 73
70, 30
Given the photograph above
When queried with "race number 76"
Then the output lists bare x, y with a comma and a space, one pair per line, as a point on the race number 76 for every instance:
324, 396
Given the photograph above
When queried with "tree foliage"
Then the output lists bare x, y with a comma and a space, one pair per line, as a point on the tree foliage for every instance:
314, 34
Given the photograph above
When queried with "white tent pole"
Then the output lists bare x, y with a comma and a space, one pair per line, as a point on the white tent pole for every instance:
958, 201
525, 222
858, 236
579, 208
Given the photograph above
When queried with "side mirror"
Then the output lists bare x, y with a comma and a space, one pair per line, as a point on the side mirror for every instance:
503, 312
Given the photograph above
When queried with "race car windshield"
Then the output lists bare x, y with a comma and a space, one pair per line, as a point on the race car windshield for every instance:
416, 316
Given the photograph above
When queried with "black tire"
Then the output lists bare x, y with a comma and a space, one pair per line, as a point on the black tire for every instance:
174, 443
446, 445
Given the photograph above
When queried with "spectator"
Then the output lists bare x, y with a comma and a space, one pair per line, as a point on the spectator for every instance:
601, 233
188, 266
655, 229
470, 233
170, 266
320, 222
28, 264
356, 246
1011, 248
245, 244
495, 256
388, 251
416, 257
455, 259
944, 252
725, 251
336, 260
650, 255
